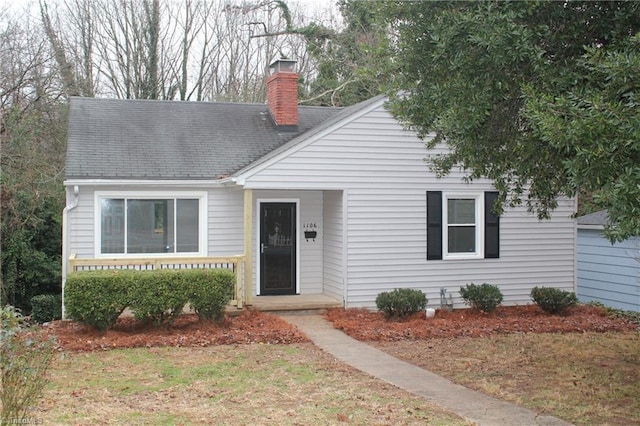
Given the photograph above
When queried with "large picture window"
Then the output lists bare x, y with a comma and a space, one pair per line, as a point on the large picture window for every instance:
150, 225
462, 226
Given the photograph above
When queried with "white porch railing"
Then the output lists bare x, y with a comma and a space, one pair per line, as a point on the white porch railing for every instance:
235, 263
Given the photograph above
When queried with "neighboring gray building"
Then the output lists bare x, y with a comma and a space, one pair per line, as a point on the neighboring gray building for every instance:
327, 201
607, 273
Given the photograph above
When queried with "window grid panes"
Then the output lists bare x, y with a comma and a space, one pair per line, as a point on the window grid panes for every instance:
149, 225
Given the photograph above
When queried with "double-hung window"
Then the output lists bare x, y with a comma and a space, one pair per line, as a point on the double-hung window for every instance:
462, 225
462, 217
150, 224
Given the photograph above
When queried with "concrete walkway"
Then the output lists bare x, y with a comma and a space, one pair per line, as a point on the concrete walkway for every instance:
471, 405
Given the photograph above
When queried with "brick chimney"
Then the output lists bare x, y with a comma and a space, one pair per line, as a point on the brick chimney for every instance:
282, 94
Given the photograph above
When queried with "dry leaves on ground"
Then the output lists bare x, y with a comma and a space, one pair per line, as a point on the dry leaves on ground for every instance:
366, 325
258, 327
186, 331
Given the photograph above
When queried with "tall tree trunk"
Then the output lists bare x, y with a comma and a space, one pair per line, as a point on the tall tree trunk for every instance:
152, 35
65, 68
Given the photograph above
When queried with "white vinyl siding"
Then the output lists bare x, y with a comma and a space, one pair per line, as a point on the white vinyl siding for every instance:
608, 273
333, 241
81, 230
381, 169
226, 222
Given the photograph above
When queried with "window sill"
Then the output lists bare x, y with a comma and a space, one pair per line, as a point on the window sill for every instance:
457, 256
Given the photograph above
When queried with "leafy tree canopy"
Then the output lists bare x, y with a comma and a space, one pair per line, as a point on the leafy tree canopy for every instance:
353, 63
540, 97
32, 141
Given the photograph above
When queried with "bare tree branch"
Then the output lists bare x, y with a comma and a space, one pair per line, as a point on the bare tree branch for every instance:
333, 91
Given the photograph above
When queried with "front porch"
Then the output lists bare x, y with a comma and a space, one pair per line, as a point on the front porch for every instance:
237, 264
243, 293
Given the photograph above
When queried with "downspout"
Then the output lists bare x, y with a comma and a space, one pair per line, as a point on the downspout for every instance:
65, 242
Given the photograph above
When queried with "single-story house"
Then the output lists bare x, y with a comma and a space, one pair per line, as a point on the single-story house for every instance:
299, 200
607, 273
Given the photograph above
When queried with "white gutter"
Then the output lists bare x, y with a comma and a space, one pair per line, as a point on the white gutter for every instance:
143, 182
232, 181
594, 227
65, 242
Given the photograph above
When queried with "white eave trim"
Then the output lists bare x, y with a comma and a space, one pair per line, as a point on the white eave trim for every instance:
593, 227
234, 182
146, 182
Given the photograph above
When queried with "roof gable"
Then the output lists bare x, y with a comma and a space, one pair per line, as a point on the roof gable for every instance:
173, 140
337, 120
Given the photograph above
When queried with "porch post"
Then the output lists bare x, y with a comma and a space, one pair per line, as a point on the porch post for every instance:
248, 246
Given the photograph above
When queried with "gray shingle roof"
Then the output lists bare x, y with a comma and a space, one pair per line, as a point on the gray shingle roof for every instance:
597, 218
143, 139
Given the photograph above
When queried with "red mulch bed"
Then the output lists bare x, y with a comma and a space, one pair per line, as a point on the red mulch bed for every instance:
186, 331
373, 326
257, 327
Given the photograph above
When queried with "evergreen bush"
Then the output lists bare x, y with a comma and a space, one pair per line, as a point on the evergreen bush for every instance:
553, 300
97, 298
210, 290
158, 296
485, 297
46, 307
401, 302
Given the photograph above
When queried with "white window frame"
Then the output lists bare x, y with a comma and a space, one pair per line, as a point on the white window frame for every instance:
478, 197
201, 196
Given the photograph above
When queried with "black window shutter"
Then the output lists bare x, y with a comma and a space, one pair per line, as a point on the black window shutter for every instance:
491, 227
434, 225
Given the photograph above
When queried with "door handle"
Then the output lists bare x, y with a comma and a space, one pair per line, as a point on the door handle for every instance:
261, 248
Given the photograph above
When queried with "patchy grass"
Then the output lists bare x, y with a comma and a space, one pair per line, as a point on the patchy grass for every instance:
229, 384
583, 367
584, 378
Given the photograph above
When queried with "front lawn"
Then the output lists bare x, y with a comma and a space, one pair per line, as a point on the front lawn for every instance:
583, 367
257, 384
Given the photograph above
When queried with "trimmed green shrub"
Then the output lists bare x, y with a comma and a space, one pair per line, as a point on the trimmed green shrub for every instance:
210, 290
158, 296
46, 307
485, 297
401, 302
25, 355
97, 298
553, 300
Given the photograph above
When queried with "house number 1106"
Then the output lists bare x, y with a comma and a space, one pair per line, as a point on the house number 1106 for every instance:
309, 226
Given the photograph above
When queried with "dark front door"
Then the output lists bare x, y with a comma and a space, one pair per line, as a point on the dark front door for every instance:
277, 248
